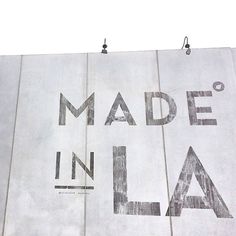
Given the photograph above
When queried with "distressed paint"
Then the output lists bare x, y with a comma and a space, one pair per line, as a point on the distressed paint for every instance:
213, 144
43, 199
149, 108
211, 200
130, 74
35, 206
120, 188
193, 110
89, 172
58, 159
64, 103
119, 101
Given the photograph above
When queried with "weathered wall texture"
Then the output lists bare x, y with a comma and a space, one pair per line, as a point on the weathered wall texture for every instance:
130, 143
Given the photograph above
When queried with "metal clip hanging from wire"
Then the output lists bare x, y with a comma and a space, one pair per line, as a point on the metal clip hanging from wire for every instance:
104, 50
186, 45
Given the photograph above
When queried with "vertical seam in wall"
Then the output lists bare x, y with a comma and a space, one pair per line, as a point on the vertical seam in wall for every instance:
163, 140
12, 146
234, 66
86, 152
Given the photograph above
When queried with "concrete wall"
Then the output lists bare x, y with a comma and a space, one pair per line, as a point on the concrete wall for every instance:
130, 143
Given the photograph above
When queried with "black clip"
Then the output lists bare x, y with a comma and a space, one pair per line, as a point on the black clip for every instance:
186, 45
104, 50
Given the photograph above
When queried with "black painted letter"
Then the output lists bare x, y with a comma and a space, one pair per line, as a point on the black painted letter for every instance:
211, 200
193, 110
90, 172
76, 112
149, 108
119, 101
121, 203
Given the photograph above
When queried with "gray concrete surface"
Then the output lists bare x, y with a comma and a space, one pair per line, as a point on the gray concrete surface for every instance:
9, 82
129, 143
